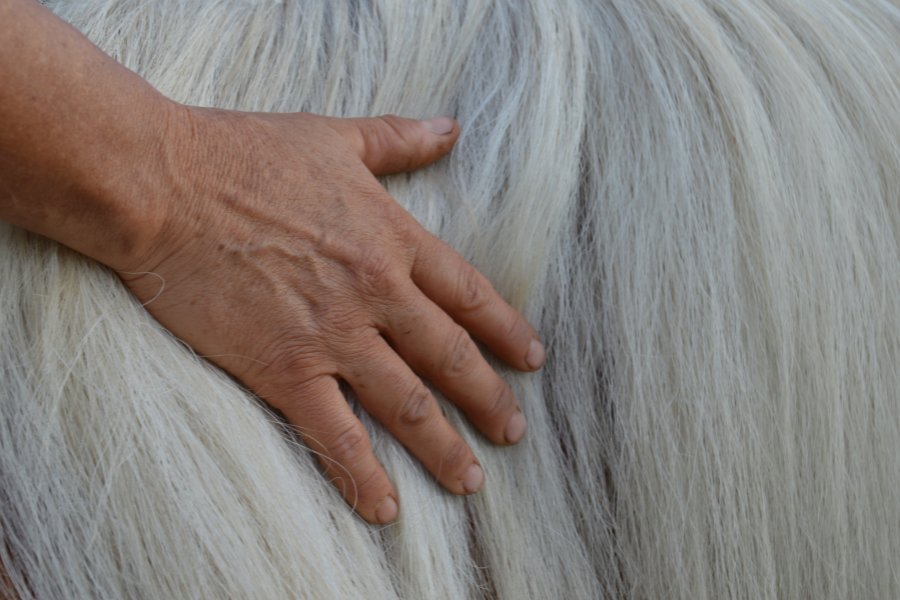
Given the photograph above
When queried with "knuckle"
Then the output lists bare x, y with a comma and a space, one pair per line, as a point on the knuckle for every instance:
349, 445
287, 354
518, 329
407, 316
395, 127
394, 134
416, 409
342, 319
472, 293
406, 230
290, 365
500, 404
382, 135
461, 357
375, 273
372, 137
456, 457
393, 124
368, 487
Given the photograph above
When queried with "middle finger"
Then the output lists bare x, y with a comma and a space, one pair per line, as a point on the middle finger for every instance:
444, 353
389, 390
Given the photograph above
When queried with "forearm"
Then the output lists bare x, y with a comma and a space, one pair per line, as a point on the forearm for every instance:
81, 138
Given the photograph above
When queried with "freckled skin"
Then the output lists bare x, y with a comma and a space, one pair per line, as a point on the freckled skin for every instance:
283, 259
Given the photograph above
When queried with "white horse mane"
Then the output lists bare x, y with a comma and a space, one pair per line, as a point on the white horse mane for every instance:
697, 202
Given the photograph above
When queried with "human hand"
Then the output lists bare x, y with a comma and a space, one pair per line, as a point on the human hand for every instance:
280, 257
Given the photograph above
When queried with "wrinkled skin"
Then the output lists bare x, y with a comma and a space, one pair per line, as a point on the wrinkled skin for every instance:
265, 242
283, 260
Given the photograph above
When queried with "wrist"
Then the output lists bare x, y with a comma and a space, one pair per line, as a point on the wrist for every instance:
104, 195
84, 143
134, 185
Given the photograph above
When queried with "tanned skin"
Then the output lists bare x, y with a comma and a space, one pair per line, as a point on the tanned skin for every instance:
266, 243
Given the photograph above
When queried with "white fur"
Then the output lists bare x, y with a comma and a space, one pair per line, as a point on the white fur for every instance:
697, 202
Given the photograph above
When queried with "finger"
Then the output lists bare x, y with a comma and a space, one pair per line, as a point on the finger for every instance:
468, 297
328, 426
390, 144
444, 353
394, 395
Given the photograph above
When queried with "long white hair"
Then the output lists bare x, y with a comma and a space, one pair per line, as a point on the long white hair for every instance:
697, 202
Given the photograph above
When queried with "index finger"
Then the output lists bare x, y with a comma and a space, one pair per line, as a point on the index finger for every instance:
468, 297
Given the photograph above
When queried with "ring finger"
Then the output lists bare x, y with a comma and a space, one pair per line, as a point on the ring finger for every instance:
389, 390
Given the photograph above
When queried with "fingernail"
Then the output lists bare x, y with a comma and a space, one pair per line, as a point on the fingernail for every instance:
473, 479
386, 510
515, 428
535, 356
439, 125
